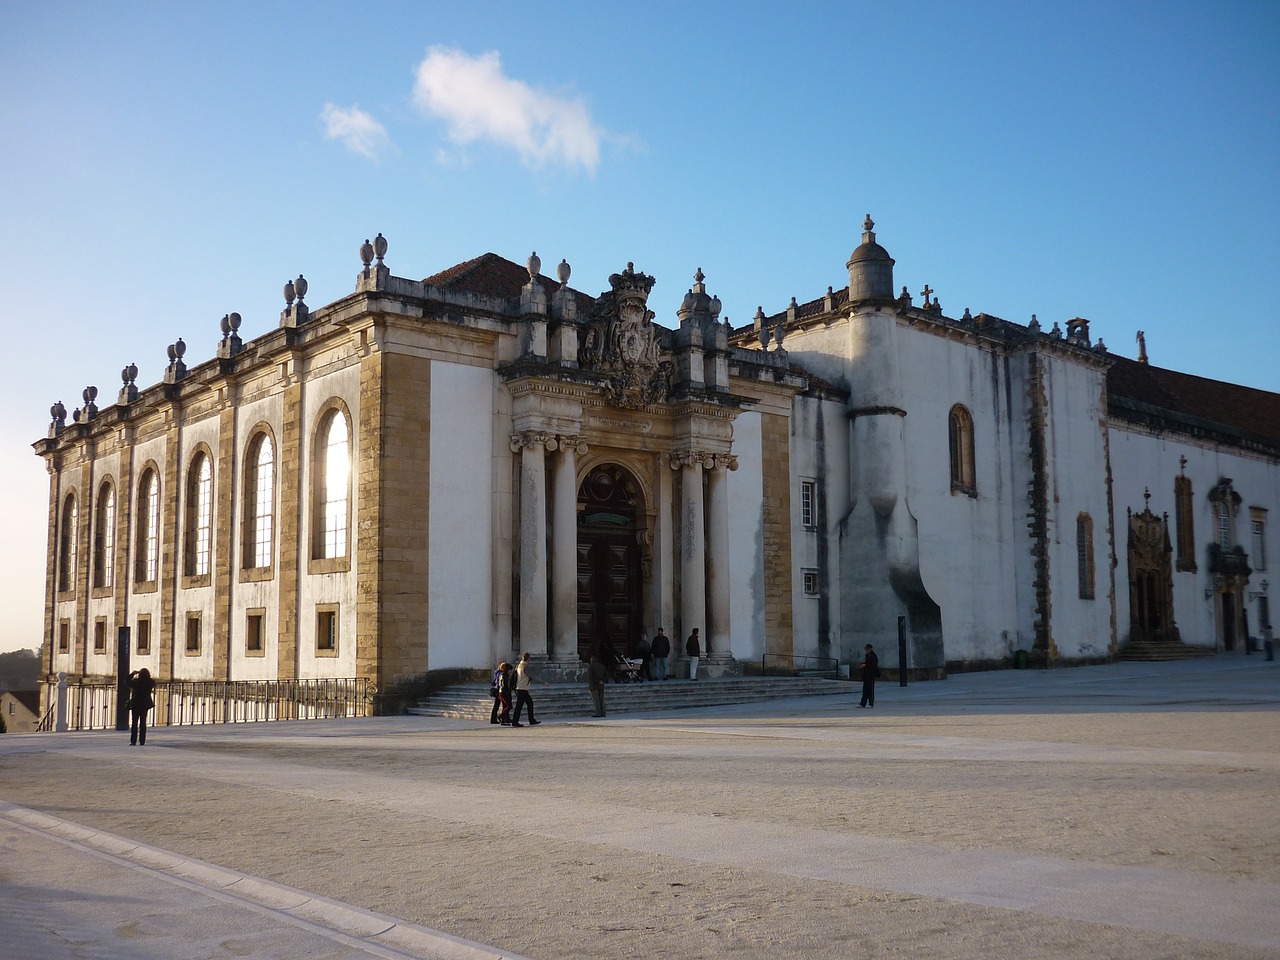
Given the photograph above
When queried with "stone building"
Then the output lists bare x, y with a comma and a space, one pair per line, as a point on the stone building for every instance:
431, 475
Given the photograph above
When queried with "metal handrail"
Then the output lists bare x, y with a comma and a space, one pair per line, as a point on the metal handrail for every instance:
46, 722
91, 702
798, 662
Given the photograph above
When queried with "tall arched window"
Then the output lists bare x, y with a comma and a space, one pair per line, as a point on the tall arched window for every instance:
1084, 555
67, 545
147, 549
199, 524
104, 537
961, 440
259, 502
332, 487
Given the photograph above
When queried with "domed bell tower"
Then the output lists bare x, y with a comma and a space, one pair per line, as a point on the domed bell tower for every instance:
870, 268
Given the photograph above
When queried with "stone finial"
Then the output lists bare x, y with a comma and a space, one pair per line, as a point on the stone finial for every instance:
762, 328
289, 294
379, 247
716, 307
968, 317
294, 313
366, 253
128, 391
231, 343
828, 301
779, 332
300, 287
791, 310
1056, 332
176, 369
868, 224
533, 299
1034, 325
58, 416
89, 395
534, 265
562, 272
1101, 347
904, 298
1142, 347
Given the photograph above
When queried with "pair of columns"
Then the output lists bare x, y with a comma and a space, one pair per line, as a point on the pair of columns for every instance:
533, 447
705, 572
704, 548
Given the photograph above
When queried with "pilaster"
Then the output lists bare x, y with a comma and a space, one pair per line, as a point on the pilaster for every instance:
226, 511
776, 484
294, 505
171, 497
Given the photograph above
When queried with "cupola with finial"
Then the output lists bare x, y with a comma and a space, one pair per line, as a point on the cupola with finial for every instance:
870, 267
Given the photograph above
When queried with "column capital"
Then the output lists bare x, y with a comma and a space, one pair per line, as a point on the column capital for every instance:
532, 438
704, 458
570, 444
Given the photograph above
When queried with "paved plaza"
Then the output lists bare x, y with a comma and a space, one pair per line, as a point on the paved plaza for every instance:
1122, 811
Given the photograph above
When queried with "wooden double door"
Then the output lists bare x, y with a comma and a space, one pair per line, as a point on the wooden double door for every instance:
609, 587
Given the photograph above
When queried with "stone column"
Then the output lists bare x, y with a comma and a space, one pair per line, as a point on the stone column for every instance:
717, 643
693, 571
533, 541
564, 552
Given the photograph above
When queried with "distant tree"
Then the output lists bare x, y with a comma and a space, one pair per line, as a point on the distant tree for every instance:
19, 670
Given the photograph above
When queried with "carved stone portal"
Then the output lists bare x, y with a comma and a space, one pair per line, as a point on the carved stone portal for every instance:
1150, 579
619, 342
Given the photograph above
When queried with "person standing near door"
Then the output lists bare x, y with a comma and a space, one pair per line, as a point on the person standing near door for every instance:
661, 649
693, 647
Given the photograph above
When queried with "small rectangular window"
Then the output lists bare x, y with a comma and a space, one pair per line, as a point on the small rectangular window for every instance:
808, 503
811, 583
64, 636
193, 635
144, 635
253, 632
100, 635
327, 631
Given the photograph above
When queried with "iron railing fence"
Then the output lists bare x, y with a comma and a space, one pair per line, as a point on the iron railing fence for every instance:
793, 665
91, 704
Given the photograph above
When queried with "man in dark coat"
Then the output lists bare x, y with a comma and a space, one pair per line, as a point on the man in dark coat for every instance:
661, 649
870, 670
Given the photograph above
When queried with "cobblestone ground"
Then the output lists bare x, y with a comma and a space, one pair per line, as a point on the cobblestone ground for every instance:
1122, 811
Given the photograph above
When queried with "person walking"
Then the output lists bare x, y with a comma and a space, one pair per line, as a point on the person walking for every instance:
661, 649
597, 673
870, 670
141, 699
523, 697
644, 650
693, 648
494, 690
504, 693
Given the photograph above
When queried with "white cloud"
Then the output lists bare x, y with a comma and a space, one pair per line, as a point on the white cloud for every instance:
478, 102
358, 131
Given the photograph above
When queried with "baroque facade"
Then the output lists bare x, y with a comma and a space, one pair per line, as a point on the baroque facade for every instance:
431, 475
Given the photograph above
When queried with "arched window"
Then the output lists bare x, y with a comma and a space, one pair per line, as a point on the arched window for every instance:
199, 526
259, 502
1084, 555
961, 440
104, 537
147, 550
332, 487
67, 545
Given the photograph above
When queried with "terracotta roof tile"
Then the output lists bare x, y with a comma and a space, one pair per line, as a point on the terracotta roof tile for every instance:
494, 276
1251, 413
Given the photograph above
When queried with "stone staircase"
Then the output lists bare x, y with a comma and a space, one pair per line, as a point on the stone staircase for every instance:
1152, 650
471, 701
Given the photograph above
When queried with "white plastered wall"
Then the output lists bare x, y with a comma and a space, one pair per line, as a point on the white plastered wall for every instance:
746, 542
461, 548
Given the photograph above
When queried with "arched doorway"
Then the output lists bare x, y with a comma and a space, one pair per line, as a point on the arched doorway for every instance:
609, 580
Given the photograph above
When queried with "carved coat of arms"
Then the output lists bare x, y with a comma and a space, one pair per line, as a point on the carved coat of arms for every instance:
620, 342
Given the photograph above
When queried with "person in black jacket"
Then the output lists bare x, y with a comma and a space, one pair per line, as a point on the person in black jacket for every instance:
870, 670
661, 649
141, 700
693, 649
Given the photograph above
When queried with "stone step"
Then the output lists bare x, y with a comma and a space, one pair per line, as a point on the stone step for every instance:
1153, 651
472, 702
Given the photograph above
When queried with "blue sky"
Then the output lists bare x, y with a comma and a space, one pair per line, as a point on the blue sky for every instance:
165, 165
